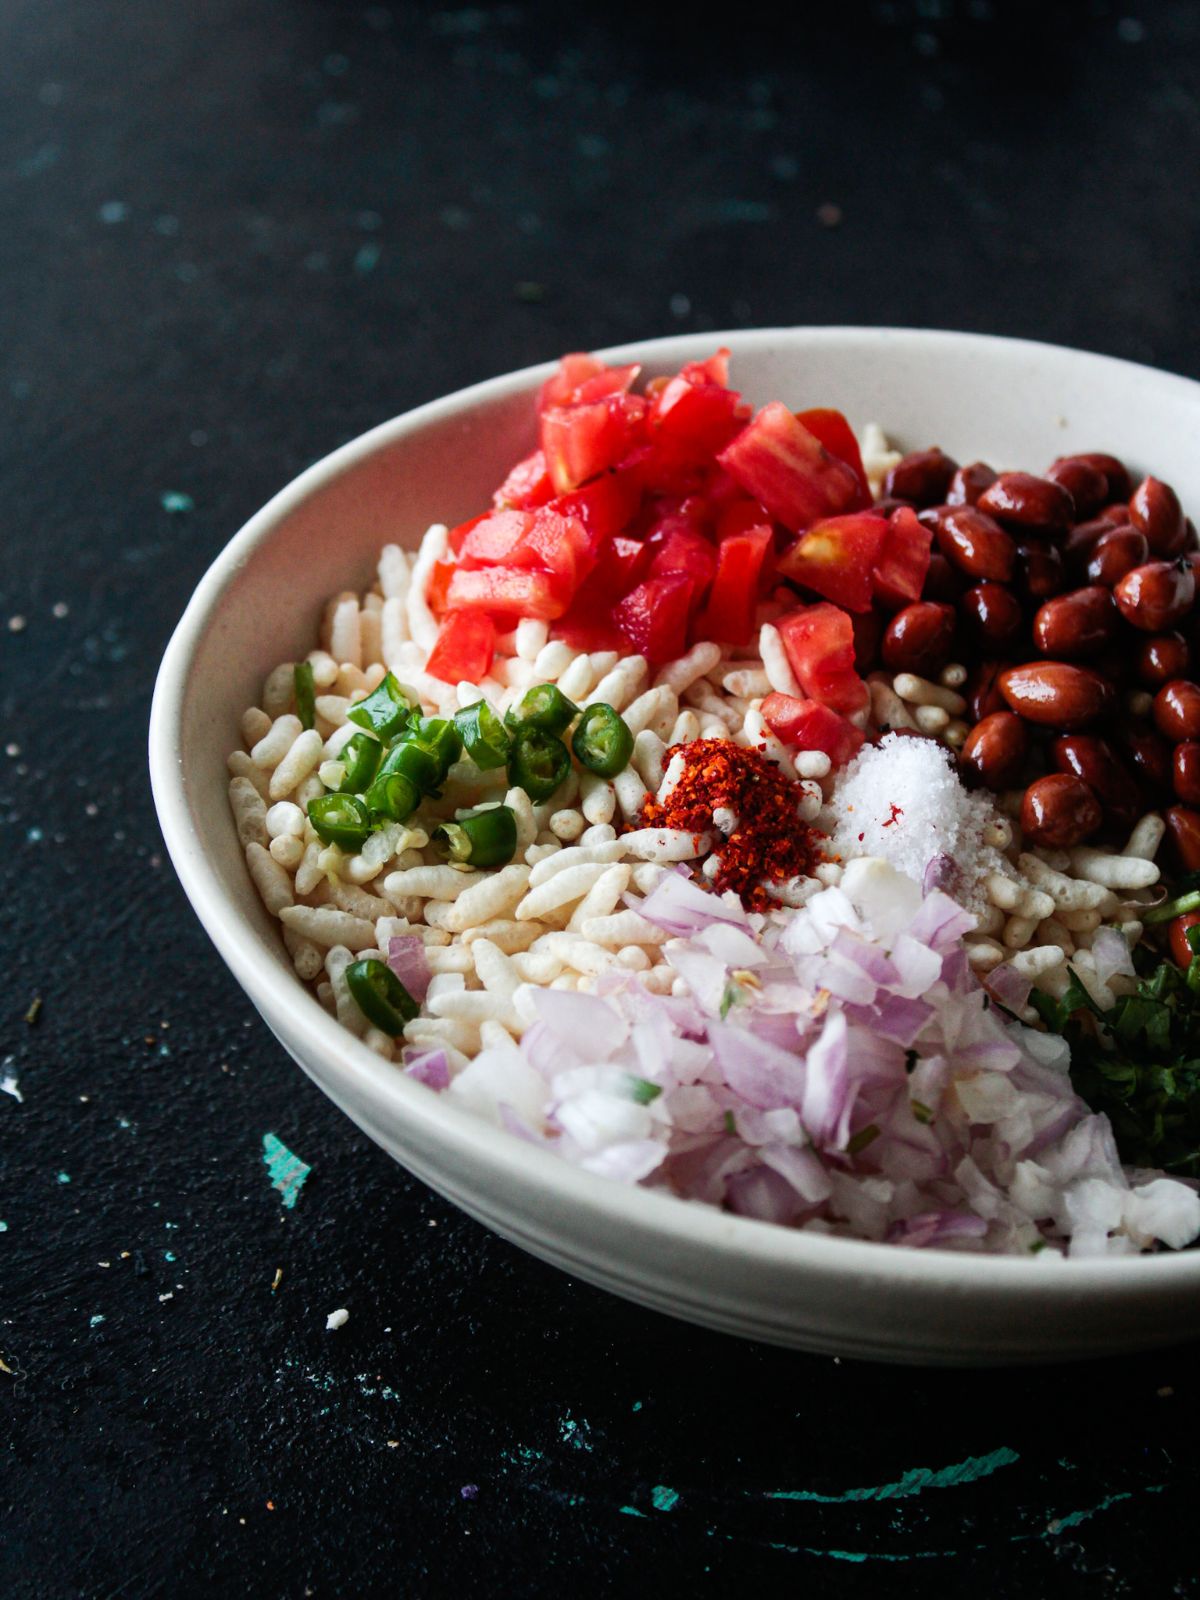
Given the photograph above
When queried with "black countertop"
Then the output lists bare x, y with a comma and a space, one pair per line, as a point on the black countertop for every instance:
232, 235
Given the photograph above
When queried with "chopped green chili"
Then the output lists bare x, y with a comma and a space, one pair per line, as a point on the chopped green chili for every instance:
442, 738
602, 742
393, 797
419, 765
340, 819
305, 692
544, 707
386, 710
486, 837
360, 755
538, 763
483, 735
380, 995
1170, 909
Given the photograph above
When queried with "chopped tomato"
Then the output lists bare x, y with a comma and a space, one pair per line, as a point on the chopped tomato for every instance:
493, 539
837, 557
903, 561
699, 416
714, 370
808, 726
778, 461
507, 591
580, 441
820, 646
581, 378
605, 506
456, 537
836, 434
527, 485
465, 645
729, 614
438, 586
654, 616
681, 549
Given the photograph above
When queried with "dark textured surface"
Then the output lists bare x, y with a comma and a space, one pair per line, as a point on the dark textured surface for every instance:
233, 234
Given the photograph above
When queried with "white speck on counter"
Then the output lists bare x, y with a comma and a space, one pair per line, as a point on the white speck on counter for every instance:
337, 1319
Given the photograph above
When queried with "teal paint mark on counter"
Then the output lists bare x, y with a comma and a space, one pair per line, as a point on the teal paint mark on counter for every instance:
287, 1172
915, 1481
664, 1499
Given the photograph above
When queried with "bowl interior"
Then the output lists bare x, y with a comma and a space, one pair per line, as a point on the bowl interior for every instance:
1009, 402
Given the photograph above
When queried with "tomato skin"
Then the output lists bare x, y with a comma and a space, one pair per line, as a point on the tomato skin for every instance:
733, 598
605, 506
527, 485
777, 460
820, 645
699, 417
836, 557
581, 378
465, 645
714, 370
654, 616
494, 538
507, 591
806, 725
903, 561
681, 549
580, 441
836, 434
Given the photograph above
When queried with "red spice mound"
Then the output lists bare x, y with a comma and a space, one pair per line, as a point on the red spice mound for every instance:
770, 842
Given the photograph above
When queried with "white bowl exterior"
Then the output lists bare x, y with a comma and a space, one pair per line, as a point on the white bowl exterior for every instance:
1007, 401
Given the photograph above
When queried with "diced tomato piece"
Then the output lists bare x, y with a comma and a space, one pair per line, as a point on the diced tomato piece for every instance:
580, 441
581, 378
903, 561
654, 616
465, 645
527, 485
683, 550
808, 726
457, 536
778, 461
559, 544
837, 557
700, 416
836, 434
605, 506
439, 584
714, 370
494, 539
819, 641
729, 614
508, 591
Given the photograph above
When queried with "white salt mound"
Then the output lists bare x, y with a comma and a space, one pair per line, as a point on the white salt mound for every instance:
901, 799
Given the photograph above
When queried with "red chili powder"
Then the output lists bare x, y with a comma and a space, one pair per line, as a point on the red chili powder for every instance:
770, 842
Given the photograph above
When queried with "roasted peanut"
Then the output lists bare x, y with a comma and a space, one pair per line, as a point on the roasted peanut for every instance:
1019, 500
1115, 553
1154, 510
1075, 624
1116, 473
993, 614
1096, 763
1117, 512
867, 626
976, 544
1186, 772
969, 482
1177, 710
942, 581
993, 753
918, 639
921, 478
1183, 831
1157, 595
1163, 657
1059, 811
1085, 483
1055, 694
983, 690
1040, 570
1150, 755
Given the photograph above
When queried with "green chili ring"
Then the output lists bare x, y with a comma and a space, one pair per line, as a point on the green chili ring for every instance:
380, 996
602, 742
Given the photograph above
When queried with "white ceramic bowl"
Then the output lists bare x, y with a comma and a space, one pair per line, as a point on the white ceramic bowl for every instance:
1012, 403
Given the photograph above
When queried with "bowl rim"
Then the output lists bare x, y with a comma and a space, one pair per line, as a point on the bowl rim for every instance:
391, 1096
